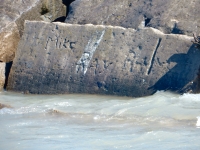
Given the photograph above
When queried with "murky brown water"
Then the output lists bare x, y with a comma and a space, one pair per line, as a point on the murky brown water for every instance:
81, 122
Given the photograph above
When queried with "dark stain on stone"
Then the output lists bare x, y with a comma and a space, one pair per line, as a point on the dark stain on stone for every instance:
140, 47
44, 9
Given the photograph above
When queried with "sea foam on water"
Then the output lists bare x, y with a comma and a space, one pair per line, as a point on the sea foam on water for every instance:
198, 122
73, 121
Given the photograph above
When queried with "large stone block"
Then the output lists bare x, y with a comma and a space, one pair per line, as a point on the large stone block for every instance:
13, 13
55, 58
169, 16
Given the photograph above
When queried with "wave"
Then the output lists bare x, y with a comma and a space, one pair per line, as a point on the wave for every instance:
98, 118
198, 122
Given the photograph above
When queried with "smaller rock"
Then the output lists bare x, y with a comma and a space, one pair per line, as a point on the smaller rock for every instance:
9, 39
4, 106
14, 13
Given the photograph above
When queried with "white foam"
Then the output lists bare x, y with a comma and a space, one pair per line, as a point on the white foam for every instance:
63, 104
5, 111
198, 122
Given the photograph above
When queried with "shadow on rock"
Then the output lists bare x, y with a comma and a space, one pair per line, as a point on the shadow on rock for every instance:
67, 4
180, 77
60, 19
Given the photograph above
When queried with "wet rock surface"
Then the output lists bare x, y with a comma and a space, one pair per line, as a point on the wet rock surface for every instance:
57, 58
169, 16
4, 106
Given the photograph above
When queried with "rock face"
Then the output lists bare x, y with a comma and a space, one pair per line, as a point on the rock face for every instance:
2, 75
57, 58
9, 39
13, 13
169, 16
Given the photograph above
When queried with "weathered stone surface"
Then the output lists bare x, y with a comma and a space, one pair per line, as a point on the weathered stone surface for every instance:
46, 10
169, 16
2, 75
57, 58
13, 13
9, 39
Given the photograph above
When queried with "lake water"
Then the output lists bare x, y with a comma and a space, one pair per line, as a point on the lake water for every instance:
163, 121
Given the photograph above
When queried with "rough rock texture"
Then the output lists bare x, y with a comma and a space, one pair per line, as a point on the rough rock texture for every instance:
13, 13
169, 16
2, 75
64, 58
9, 39
46, 10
